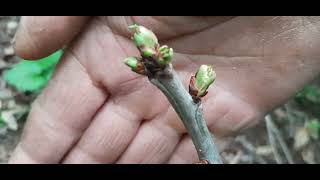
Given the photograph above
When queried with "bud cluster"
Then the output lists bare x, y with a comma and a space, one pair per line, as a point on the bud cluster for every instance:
158, 57
150, 50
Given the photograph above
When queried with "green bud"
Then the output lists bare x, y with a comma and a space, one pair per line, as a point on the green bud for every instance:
132, 62
148, 52
205, 76
145, 40
135, 64
165, 55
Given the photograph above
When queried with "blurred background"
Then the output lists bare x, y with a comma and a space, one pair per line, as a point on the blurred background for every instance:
289, 134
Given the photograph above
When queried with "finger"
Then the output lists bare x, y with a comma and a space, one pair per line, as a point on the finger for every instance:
59, 115
107, 137
185, 153
153, 144
39, 36
167, 27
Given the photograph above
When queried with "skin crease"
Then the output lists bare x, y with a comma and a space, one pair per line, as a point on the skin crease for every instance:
95, 110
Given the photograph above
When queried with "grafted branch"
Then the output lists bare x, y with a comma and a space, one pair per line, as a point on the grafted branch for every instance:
155, 63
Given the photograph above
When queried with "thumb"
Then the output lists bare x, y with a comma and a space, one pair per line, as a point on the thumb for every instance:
39, 36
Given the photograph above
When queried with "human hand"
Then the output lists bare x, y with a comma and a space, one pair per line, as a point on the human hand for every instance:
95, 110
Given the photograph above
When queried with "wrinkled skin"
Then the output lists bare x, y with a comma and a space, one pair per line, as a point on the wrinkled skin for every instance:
96, 110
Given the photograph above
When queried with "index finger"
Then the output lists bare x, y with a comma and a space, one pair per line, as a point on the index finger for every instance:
39, 36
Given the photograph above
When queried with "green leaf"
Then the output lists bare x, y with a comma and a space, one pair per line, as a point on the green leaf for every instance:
32, 76
310, 93
2, 123
309, 99
314, 124
313, 128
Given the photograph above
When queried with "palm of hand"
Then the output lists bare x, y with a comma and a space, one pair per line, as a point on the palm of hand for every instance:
95, 110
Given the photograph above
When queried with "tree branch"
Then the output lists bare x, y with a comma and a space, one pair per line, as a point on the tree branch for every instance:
190, 113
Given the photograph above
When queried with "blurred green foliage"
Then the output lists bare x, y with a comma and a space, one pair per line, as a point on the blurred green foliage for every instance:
2, 123
309, 95
314, 124
309, 99
32, 76
313, 127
